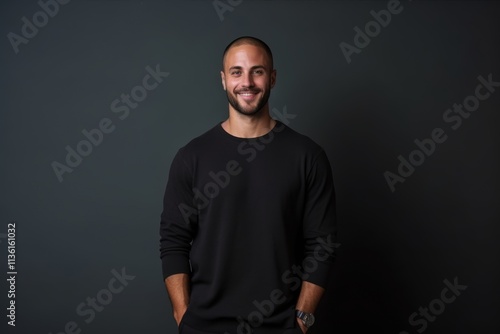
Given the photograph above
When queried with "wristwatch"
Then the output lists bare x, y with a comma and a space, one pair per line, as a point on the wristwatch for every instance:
307, 318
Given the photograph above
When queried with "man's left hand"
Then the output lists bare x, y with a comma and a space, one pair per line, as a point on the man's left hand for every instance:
302, 327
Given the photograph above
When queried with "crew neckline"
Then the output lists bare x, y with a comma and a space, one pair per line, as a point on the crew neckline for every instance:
229, 136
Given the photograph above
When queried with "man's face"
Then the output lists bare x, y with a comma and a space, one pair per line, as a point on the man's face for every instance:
247, 78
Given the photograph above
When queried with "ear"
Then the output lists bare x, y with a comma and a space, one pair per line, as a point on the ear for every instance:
223, 79
273, 78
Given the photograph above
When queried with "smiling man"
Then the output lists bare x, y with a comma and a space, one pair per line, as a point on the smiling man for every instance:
248, 225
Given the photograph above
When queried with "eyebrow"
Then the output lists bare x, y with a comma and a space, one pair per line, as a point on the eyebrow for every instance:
251, 68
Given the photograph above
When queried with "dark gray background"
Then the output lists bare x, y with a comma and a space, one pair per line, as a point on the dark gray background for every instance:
397, 248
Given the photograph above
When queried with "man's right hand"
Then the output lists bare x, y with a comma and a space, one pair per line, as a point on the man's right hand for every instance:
178, 291
178, 315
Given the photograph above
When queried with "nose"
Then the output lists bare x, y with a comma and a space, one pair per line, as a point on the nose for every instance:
247, 80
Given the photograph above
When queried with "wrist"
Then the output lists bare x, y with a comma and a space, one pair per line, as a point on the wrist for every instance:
306, 320
179, 313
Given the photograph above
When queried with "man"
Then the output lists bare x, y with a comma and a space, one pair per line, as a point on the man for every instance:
248, 222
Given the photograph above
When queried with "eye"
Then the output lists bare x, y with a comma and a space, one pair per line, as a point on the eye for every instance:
235, 72
259, 72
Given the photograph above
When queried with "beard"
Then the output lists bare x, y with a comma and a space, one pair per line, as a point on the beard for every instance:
248, 110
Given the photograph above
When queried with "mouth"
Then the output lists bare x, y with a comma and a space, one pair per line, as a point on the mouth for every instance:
248, 96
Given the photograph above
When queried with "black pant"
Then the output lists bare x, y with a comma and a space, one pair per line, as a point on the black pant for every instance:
185, 329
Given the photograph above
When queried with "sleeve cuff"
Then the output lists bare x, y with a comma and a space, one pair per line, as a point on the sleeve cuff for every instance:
175, 264
320, 276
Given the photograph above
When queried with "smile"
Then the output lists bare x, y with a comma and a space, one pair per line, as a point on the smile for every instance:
248, 95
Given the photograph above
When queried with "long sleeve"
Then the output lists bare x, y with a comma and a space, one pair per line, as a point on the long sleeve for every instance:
239, 215
319, 222
178, 219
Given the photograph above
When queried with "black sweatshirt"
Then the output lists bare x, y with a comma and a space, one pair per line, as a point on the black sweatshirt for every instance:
248, 219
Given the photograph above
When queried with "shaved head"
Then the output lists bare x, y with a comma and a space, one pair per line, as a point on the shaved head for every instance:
248, 40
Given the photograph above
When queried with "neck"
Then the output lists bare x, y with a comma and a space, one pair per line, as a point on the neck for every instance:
244, 126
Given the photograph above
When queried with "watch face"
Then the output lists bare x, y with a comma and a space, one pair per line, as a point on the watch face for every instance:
308, 319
